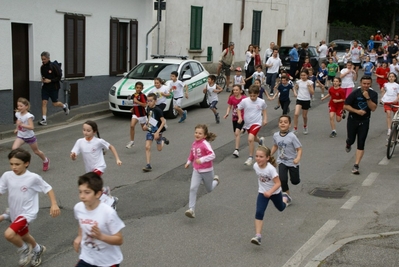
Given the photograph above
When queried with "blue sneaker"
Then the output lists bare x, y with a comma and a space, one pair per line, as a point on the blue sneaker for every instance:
147, 168
256, 240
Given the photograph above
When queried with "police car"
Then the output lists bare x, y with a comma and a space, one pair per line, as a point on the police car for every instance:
191, 72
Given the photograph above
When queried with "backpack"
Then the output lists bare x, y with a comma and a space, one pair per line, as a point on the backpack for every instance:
227, 51
56, 66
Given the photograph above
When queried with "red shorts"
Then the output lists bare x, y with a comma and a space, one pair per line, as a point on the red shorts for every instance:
337, 109
20, 226
254, 129
98, 172
387, 106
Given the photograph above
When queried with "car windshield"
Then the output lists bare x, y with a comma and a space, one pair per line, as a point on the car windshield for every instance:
149, 71
342, 47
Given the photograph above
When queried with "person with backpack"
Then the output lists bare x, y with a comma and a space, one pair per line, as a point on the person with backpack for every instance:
51, 76
226, 62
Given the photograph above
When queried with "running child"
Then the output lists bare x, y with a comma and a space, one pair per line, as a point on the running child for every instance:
238, 79
99, 235
201, 156
368, 67
212, 90
382, 74
254, 118
24, 205
306, 65
283, 72
25, 132
336, 104
390, 97
305, 90
258, 75
262, 90
348, 76
92, 150
322, 78
269, 189
155, 127
284, 88
332, 68
289, 151
234, 99
138, 111
373, 57
312, 78
176, 87
161, 91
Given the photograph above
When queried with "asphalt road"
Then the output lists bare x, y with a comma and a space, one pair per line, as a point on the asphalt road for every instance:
152, 204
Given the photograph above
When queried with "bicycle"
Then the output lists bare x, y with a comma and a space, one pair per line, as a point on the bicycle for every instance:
393, 137
221, 78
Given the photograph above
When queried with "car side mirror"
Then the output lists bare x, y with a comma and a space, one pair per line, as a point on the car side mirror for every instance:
125, 74
186, 77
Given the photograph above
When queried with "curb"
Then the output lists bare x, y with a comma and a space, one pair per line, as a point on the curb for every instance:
340, 243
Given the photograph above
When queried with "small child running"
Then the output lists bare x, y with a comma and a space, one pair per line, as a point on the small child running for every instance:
269, 189
390, 97
25, 132
305, 91
202, 156
336, 104
289, 154
176, 87
92, 150
212, 90
254, 118
138, 111
99, 235
23, 187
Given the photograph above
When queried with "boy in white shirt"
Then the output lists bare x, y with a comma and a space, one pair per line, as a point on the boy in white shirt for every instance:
255, 117
176, 86
23, 187
212, 90
258, 74
99, 236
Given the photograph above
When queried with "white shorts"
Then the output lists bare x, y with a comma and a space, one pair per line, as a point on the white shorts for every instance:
142, 120
177, 101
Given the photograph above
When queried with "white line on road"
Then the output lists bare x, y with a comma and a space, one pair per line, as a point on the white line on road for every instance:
350, 203
313, 242
370, 179
384, 161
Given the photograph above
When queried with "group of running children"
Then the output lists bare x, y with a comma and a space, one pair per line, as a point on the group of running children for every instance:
99, 236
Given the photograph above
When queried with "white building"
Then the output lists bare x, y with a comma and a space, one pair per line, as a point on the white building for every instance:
95, 40
191, 27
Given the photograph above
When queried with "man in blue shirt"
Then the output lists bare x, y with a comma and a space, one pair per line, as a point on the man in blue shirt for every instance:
294, 59
370, 43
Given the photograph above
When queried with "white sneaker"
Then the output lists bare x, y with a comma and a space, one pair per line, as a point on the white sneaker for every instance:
130, 144
248, 162
236, 153
261, 141
25, 255
389, 132
190, 213
305, 130
216, 178
322, 95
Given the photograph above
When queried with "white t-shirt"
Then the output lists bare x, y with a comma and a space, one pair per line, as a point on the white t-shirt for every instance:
265, 178
23, 197
252, 111
276, 64
347, 80
303, 90
92, 153
391, 92
212, 96
373, 57
94, 251
323, 51
248, 57
394, 68
23, 132
177, 88
259, 75
160, 98
238, 80
356, 53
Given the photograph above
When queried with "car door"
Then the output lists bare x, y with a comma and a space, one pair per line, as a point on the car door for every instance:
186, 76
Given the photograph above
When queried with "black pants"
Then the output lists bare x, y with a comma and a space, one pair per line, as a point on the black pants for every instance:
293, 68
359, 129
283, 171
285, 106
248, 72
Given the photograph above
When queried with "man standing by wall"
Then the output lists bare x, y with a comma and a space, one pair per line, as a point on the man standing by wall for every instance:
322, 49
294, 60
51, 77
226, 62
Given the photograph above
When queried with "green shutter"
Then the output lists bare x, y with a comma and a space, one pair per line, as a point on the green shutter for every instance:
196, 28
256, 27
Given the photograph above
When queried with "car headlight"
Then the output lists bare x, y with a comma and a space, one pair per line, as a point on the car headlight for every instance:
112, 91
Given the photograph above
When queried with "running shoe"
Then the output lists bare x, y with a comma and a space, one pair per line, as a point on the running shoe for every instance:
256, 240
46, 165
248, 162
236, 153
116, 200
348, 148
216, 178
190, 213
305, 130
6, 214
355, 169
277, 107
288, 197
130, 144
165, 140
261, 141
147, 168
333, 134
344, 114
66, 109
217, 118
37, 256
25, 255
43, 122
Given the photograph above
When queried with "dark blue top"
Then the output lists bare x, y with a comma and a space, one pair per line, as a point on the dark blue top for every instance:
284, 91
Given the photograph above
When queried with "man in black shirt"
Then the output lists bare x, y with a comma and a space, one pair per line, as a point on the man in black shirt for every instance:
51, 77
392, 51
359, 103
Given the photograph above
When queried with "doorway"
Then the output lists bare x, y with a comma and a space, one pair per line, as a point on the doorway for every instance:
279, 37
226, 35
20, 61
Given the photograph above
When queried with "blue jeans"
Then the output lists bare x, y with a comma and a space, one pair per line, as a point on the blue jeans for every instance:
271, 80
262, 202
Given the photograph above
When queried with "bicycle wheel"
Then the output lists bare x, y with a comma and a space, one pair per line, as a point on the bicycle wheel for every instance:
221, 81
392, 140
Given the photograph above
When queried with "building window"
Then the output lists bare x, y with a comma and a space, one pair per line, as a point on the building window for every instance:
256, 23
196, 28
75, 36
123, 46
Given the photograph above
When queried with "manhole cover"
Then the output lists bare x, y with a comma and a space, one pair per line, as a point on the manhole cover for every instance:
328, 193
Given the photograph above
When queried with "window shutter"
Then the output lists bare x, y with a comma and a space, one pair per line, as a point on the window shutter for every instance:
113, 62
133, 43
256, 27
196, 28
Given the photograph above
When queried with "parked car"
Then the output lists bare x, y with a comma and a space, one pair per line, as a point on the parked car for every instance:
341, 46
285, 58
190, 71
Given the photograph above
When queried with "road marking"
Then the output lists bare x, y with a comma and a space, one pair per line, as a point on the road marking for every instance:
350, 203
57, 128
370, 179
384, 161
313, 242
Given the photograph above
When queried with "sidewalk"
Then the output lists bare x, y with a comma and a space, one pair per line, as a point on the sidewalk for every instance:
59, 118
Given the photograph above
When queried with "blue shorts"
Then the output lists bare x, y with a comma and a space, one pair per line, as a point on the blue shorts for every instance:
53, 94
30, 140
150, 137
213, 105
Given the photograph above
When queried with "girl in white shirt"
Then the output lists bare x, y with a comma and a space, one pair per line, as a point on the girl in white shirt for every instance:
162, 92
25, 132
303, 90
269, 189
92, 150
390, 97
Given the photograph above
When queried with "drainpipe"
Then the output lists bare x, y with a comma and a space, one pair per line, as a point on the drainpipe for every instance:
146, 39
242, 14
